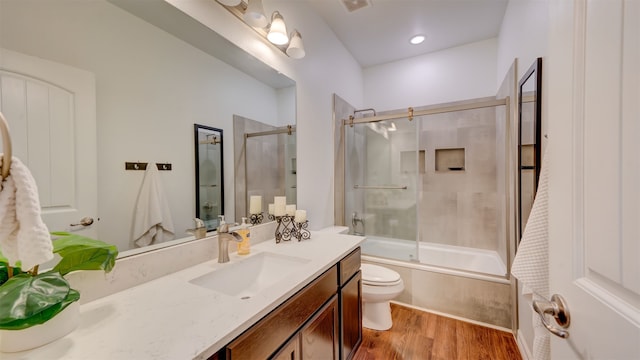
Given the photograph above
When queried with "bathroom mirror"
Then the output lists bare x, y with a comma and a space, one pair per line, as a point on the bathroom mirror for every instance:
209, 175
156, 72
529, 140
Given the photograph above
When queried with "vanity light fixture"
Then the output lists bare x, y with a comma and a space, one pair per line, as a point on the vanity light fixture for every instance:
417, 39
278, 30
251, 12
254, 13
296, 48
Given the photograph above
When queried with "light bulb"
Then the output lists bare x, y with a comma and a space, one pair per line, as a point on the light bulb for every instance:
418, 39
278, 30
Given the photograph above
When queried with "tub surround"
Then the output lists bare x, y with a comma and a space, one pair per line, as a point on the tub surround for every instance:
171, 318
476, 297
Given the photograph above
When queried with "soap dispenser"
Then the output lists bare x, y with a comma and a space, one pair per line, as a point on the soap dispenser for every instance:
245, 245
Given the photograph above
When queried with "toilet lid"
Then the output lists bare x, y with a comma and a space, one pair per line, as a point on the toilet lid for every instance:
374, 274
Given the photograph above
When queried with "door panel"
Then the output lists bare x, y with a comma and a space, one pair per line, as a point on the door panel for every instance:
593, 96
50, 108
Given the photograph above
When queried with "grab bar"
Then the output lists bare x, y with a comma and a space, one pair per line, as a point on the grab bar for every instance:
383, 187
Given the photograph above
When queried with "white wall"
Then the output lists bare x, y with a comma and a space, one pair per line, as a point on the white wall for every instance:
459, 73
327, 68
149, 95
523, 35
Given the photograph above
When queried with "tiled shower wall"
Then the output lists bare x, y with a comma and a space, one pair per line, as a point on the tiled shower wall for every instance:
460, 207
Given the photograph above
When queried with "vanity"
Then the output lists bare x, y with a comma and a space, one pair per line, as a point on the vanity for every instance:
230, 311
321, 321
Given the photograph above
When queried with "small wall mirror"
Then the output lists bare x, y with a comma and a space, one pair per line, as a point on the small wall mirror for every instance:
209, 184
529, 140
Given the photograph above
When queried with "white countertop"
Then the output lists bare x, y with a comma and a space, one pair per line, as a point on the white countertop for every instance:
170, 318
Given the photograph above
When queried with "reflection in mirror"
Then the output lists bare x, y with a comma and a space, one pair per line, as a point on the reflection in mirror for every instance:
265, 163
209, 175
529, 140
139, 75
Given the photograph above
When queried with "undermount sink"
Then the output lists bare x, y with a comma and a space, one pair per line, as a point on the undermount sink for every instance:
247, 277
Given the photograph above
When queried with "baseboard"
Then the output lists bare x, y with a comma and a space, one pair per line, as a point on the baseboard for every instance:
524, 348
475, 322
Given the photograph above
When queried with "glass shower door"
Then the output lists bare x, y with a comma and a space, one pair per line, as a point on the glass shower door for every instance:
381, 172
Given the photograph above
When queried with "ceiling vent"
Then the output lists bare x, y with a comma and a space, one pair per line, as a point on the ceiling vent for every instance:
353, 5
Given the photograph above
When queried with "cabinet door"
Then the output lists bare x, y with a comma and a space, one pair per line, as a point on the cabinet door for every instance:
291, 351
320, 335
351, 316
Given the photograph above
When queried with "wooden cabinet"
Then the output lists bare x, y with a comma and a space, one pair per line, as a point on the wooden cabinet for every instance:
270, 333
320, 337
350, 304
321, 321
290, 351
351, 316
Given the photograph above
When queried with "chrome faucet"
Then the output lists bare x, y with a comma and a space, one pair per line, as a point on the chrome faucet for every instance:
224, 236
354, 222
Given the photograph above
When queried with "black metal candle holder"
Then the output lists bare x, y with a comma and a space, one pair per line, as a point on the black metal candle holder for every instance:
271, 217
302, 233
256, 219
288, 229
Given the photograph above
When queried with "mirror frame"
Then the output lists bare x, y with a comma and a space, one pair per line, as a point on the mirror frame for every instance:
533, 73
196, 128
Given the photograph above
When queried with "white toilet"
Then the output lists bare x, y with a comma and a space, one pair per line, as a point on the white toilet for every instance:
379, 285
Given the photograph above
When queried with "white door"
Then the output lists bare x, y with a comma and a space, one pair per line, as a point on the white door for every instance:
592, 87
51, 112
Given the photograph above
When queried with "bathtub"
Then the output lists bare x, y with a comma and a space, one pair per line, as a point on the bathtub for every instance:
464, 283
449, 258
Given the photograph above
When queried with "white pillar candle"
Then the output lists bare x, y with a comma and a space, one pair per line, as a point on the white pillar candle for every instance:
280, 205
255, 204
271, 209
291, 210
301, 216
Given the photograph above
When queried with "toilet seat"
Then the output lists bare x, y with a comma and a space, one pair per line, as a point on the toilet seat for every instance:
375, 275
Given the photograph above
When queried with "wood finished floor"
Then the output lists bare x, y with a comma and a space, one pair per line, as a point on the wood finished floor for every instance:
421, 335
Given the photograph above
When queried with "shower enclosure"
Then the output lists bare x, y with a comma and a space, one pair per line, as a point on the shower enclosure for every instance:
428, 185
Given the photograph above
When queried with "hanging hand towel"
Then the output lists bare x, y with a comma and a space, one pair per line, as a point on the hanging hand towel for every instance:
23, 235
531, 264
152, 223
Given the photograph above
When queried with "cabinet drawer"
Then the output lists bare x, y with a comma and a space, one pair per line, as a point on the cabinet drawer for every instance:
349, 265
266, 336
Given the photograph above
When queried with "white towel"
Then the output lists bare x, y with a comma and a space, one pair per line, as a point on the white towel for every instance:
152, 221
531, 264
23, 235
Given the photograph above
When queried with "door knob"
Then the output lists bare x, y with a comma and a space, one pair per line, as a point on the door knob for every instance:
557, 307
85, 221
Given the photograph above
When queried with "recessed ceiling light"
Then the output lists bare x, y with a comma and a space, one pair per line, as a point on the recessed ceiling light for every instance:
417, 39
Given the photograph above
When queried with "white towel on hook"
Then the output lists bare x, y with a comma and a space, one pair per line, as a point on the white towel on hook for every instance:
23, 235
152, 221
531, 264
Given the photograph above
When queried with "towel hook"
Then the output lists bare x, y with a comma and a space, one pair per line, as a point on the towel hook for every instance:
6, 147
